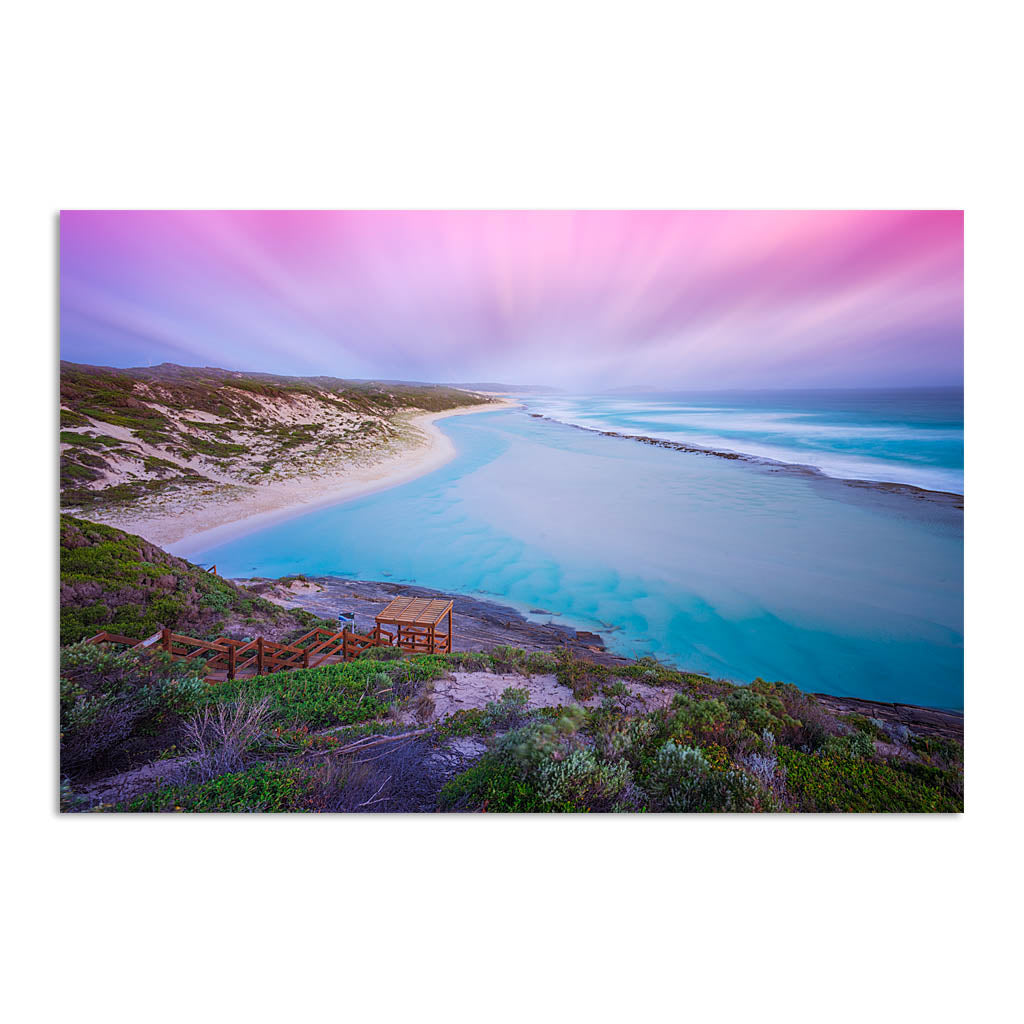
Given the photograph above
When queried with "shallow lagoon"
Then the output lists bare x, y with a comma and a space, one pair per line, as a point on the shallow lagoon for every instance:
722, 567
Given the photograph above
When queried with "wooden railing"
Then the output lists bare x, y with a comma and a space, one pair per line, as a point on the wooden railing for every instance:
130, 641
261, 656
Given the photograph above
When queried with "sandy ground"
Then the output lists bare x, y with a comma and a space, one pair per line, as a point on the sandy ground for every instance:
463, 690
250, 508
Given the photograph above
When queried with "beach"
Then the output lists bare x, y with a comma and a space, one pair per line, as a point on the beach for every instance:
726, 567
195, 522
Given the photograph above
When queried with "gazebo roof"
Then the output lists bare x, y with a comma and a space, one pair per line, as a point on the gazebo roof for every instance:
415, 611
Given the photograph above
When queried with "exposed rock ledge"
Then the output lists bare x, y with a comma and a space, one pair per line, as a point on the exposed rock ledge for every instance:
478, 624
481, 624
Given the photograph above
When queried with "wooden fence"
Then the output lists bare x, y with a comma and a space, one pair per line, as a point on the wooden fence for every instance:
260, 656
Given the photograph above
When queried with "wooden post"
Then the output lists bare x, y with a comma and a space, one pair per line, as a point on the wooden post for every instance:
259, 655
344, 642
432, 642
451, 648
165, 639
305, 658
231, 661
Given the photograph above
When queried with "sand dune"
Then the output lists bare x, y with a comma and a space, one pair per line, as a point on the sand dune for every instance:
195, 521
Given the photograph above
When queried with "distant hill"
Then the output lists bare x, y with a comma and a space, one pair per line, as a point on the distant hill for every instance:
635, 389
112, 580
128, 434
502, 388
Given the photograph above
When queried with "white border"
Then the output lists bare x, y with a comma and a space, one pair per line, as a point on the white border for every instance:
313, 105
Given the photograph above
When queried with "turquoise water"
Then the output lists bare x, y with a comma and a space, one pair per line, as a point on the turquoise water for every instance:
718, 566
911, 436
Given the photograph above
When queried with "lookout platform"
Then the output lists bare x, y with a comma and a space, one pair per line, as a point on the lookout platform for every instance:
419, 624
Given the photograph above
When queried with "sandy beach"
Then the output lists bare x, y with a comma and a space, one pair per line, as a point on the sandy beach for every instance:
200, 523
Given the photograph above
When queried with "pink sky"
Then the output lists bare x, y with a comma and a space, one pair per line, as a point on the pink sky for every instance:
578, 299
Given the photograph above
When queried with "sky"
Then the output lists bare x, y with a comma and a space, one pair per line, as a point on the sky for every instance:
581, 300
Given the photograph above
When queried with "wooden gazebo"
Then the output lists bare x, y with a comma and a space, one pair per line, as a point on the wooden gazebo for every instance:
418, 624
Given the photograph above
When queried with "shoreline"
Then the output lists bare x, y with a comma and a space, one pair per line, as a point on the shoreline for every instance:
952, 499
222, 520
484, 621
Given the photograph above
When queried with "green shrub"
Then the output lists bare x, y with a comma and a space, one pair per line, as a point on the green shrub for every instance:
72, 419
114, 581
866, 726
538, 663
492, 784
938, 750
615, 689
651, 672
817, 782
579, 782
464, 722
859, 746
510, 776
333, 694
383, 654
315, 697
620, 736
258, 789
581, 676
805, 722
507, 711
695, 719
684, 781
949, 781
112, 700
470, 661
759, 711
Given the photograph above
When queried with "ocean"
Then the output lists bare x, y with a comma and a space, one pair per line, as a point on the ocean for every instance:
732, 567
912, 436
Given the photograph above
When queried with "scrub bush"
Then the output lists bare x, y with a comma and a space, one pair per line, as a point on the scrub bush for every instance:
258, 789
581, 783
315, 697
507, 712
694, 720
859, 746
470, 661
222, 734
760, 709
383, 654
582, 677
504, 658
122, 701
683, 780
821, 782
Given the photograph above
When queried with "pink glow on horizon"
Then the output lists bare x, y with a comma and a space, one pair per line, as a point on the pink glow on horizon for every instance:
585, 299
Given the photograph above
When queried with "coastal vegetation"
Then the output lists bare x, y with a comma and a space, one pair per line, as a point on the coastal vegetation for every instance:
134, 435
327, 738
140, 732
116, 582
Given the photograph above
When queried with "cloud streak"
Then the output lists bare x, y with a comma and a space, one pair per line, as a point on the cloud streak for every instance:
581, 299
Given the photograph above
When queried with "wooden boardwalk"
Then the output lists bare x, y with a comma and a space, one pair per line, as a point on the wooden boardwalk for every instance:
225, 658
415, 626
